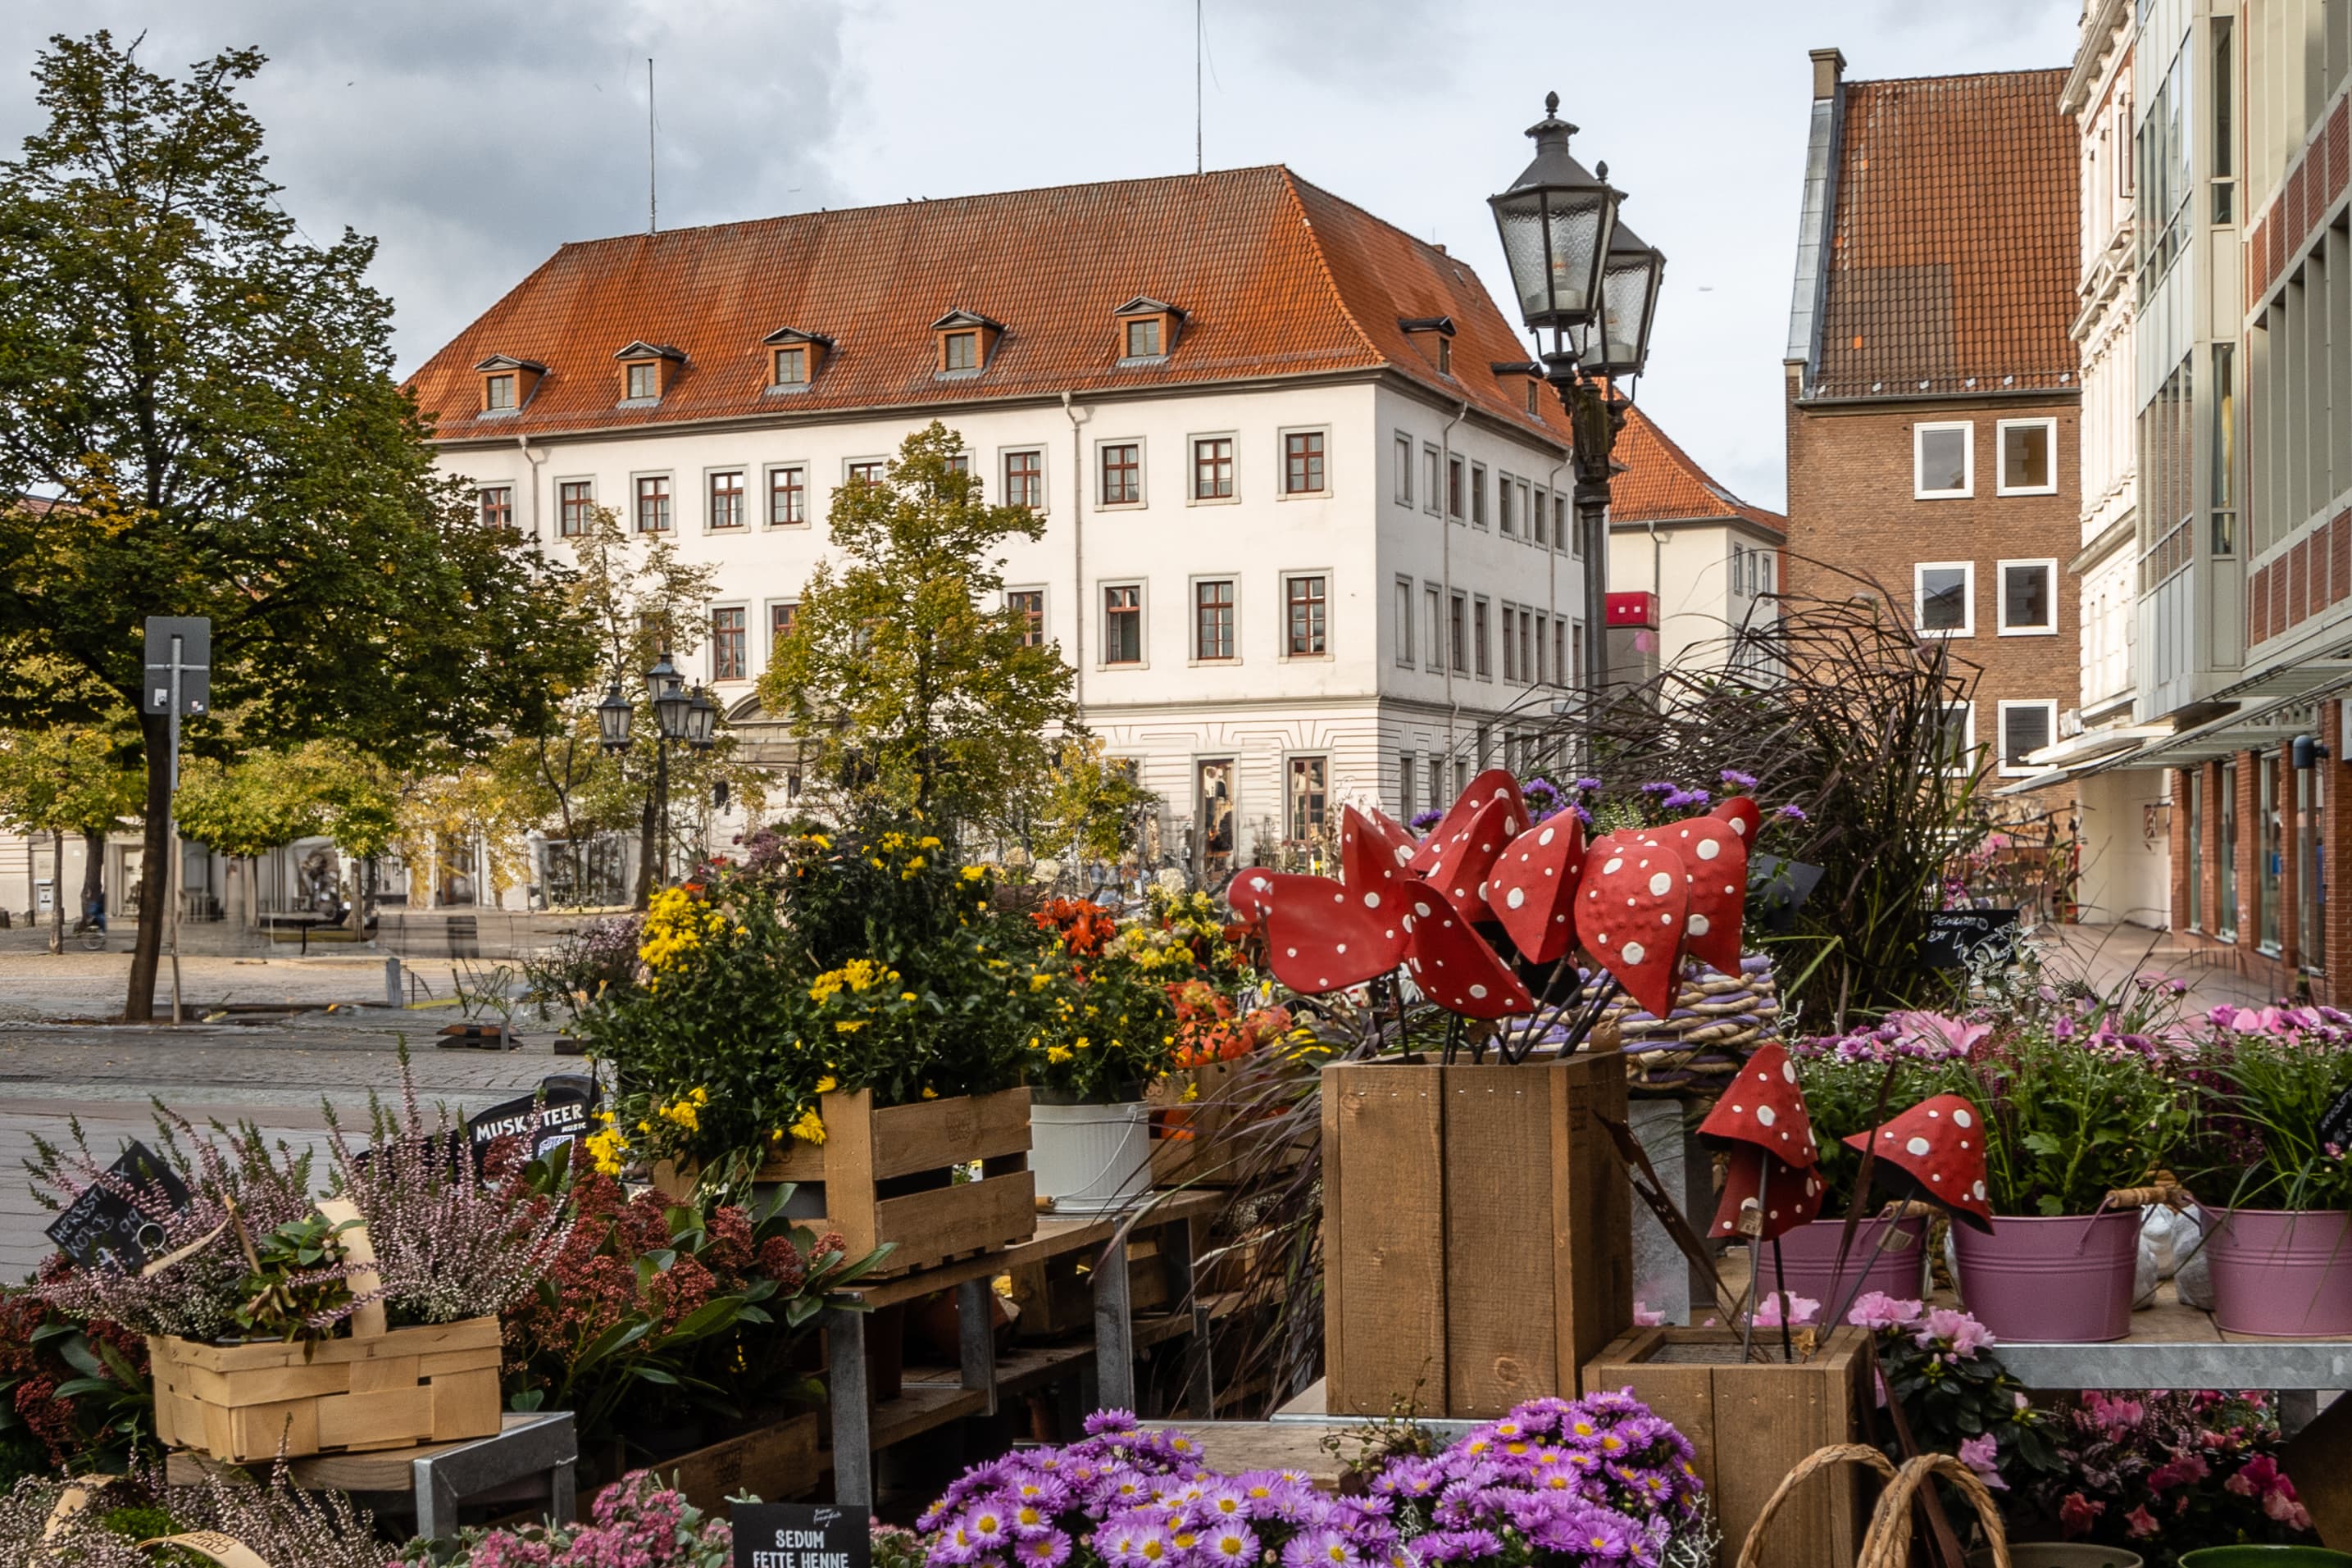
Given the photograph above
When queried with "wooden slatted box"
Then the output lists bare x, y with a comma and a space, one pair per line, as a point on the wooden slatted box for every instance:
887, 1174
1477, 1231
391, 1390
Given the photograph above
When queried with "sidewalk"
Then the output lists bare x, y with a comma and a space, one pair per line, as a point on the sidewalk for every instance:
2107, 955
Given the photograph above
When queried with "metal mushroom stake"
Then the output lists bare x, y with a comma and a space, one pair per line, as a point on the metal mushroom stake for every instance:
1771, 1186
1934, 1150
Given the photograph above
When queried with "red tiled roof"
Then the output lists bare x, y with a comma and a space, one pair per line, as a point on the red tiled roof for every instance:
1663, 483
1954, 249
1275, 278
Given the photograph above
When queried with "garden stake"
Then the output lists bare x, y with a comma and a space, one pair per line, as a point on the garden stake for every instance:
1781, 1283
1943, 1546
1642, 1177
1860, 1201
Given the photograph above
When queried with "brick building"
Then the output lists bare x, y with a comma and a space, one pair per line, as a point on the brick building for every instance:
1934, 400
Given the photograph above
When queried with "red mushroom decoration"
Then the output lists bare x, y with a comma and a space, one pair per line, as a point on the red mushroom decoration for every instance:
1761, 1114
1495, 784
1742, 815
1464, 860
1715, 858
1532, 887
1321, 936
1251, 893
1453, 966
1783, 1196
1934, 1151
1636, 898
1373, 852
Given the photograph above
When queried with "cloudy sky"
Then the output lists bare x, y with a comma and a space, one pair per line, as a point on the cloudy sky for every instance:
473, 136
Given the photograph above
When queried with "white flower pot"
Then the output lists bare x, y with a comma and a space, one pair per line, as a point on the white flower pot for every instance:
1091, 1159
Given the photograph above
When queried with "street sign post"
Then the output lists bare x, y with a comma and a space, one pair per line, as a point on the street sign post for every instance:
180, 684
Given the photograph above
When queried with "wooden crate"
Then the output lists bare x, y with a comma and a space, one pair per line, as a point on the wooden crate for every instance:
1055, 1297
1751, 1423
1200, 1128
887, 1176
1477, 1231
772, 1463
392, 1390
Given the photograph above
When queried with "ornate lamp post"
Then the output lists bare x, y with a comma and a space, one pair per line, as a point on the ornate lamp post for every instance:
1586, 278
678, 718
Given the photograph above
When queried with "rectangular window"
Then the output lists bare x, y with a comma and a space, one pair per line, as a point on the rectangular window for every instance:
2028, 598
497, 506
1302, 463
959, 462
2025, 728
782, 617
2225, 808
1436, 655
2225, 89
1478, 495
727, 651
1122, 474
1405, 783
1404, 470
653, 503
1310, 780
1943, 460
2225, 451
961, 352
789, 368
644, 383
1025, 480
1212, 619
2028, 464
497, 392
1507, 520
1303, 635
1030, 604
1478, 635
1429, 488
1530, 508
727, 499
872, 471
1527, 635
1123, 624
1510, 644
787, 497
1563, 526
1944, 597
1213, 468
1543, 644
1458, 633
1960, 746
1143, 339
574, 500
1453, 483
1404, 621
1572, 661
1534, 394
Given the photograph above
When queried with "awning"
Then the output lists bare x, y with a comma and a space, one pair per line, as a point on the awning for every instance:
2062, 759
2250, 728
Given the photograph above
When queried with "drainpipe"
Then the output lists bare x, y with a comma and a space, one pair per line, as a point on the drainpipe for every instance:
1445, 568
1551, 586
523, 442
1078, 416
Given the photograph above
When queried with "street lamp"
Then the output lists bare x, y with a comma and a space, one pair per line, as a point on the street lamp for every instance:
667, 688
678, 718
1590, 281
702, 718
612, 716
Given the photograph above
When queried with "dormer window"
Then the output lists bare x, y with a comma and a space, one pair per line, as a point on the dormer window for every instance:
1530, 377
794, 356
967, 339
647, 370
508, 382
1437, 328
1147, 330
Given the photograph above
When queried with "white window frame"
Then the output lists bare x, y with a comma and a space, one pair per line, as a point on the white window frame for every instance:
1282, 626
1142, 622
742, 472
2000, 733
1192, 618
1193, 468
1433, 600
1919, 569
1920, 433
1402, 445
1410, 607
1142, 477
1969, 737
1999, 438
2049, 566
1282, 490
768, 472
1044, 475
710, 635
1308, 753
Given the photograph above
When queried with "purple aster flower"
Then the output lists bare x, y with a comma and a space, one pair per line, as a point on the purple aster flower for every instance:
1737, 780
1322, 1548
1110, 1420
1586, 786
1425, 819
1050, 1550
1229, 1544
1410, 1477
1790, 813
1457, 1545
1223, 1505
991, 1524
1659, 787
954, 1546
1686, 799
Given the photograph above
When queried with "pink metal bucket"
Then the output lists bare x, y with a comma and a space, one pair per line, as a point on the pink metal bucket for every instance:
2068, 1279
1809, 1260
2282, 1272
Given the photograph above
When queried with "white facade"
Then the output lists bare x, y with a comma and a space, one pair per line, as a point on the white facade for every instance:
1278, 737
1712, 578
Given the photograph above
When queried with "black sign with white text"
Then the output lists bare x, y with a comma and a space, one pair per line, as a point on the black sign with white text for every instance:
104, 1226
563, 1103
801, 1535
2335, 1125
1956, 937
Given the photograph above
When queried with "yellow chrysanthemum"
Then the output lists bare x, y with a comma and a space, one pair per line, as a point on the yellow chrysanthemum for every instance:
810, 1128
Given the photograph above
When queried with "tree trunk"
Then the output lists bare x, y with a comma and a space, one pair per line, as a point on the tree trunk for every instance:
57, 890
154, 881
93, 868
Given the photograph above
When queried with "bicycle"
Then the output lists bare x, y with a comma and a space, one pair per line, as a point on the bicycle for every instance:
93, 937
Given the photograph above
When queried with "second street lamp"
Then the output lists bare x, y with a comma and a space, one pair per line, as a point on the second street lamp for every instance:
678, 718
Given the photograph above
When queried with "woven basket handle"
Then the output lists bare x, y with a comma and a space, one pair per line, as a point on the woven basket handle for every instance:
1888, 1543
225, 1550
1751, 1551
367, 1321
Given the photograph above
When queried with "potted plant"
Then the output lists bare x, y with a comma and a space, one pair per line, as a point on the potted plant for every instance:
1850, 1082
2067, 1120
1108, 1032
2276, 1118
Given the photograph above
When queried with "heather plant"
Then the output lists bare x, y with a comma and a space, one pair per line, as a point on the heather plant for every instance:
451, 1242
2269, 1078
2167, 1472
278, 1522
233, 1179
637, 1522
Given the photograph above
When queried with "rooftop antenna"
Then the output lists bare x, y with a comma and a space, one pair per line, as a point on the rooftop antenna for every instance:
653, 196
1197, 30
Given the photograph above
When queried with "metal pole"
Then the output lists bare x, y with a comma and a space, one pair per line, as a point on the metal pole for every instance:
1592, 527
661, 804
172, 834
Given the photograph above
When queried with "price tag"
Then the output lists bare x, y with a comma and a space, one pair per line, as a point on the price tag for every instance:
802, 1535
104, 1226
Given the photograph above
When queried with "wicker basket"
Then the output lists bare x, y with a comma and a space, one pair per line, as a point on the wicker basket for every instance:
1888, 1543
1695, 1049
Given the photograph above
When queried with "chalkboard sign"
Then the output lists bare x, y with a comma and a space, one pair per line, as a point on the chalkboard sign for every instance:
103, 1226
568, 1098
1958, 936
2336, 1125
801, 1535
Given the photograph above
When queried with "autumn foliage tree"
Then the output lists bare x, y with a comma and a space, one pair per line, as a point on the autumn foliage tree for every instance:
202, 395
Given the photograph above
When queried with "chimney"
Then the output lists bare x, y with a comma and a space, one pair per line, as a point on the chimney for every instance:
1829, 70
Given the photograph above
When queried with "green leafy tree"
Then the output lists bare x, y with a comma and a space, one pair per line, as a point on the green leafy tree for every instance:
1087, 804
265, 800
69, 778
205, 396
908, 684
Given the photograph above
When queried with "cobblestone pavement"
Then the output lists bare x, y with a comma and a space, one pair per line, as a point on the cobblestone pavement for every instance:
274, 1071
